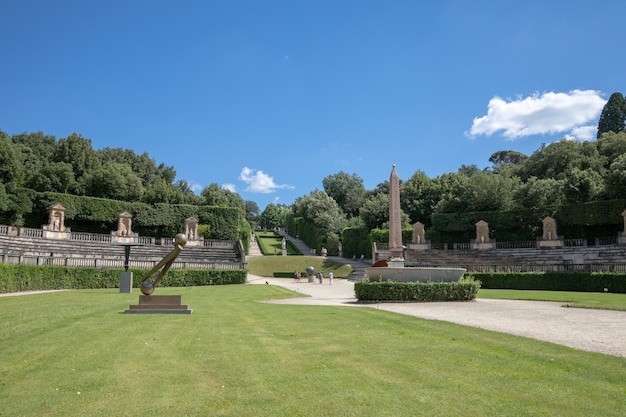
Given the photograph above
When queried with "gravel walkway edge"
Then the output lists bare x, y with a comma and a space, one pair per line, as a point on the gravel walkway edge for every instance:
601, 331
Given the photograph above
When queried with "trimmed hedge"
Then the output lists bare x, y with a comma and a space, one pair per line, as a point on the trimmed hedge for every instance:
99, 215
587, 220
415, 291
15, 278
554, 281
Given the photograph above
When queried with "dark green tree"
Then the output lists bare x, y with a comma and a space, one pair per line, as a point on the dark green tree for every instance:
252, 210
115, 181
540, 193
507, 162
375, 210
77, 151
322, 210
613, 115
347, 190
555, 160
418, 197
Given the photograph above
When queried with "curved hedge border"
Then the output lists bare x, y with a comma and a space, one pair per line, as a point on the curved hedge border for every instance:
415, 291
15, 278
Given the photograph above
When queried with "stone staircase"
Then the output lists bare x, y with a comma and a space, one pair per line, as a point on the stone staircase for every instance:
28, 250
610, 257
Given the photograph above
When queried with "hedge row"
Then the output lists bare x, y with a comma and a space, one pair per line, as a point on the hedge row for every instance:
587, 220
554, 281
31, 278
99, 215
416, 291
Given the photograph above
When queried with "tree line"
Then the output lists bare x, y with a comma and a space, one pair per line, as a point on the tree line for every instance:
557, 174
41, 163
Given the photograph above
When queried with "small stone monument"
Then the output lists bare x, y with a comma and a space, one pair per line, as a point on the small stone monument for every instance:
550, 239
483, 241
55, 229
418, 242
124, 232
191, 231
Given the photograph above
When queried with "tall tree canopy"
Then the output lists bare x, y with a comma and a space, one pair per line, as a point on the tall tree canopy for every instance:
347, 190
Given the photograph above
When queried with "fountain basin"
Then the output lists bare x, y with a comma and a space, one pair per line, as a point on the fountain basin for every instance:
415, 274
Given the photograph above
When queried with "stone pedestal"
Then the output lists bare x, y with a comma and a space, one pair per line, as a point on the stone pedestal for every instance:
553, 243
419, 246
126, 282
395, 263
159, 304
483, 245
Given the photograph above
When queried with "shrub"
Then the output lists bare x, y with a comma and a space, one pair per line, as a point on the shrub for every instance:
31, 278
416, 291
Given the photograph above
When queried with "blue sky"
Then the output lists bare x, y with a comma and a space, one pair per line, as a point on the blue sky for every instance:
269, 97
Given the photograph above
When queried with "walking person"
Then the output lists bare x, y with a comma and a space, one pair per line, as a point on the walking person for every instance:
321, 277
330, 278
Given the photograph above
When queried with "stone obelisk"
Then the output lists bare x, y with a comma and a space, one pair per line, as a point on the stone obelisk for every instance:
395, 219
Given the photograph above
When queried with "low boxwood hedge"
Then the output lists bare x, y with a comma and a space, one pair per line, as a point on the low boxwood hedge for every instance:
31, 278
371, 291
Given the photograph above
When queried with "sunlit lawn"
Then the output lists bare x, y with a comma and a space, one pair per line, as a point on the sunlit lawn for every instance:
75, 353
571, 299
270, 243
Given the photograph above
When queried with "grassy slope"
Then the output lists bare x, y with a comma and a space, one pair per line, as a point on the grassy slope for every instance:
75, 353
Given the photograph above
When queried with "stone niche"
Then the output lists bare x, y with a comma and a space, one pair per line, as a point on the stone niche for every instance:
550, 238
124, 232
483, 241
191, 231
621, 238
418, 242
55, 229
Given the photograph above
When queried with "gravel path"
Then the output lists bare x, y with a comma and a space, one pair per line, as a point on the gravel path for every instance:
602, 331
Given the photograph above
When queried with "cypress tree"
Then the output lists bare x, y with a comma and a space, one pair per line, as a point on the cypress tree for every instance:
613, 115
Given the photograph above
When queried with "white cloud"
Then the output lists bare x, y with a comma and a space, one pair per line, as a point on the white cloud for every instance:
195, 187
574, 114
230, 187
259, 182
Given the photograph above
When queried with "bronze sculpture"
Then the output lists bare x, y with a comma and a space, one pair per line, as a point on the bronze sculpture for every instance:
147, 287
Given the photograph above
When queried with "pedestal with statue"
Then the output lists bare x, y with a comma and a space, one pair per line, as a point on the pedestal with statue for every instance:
161, 304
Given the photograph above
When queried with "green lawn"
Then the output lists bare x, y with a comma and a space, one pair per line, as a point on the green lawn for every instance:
266, 266
606, 301
74, 353
271, 243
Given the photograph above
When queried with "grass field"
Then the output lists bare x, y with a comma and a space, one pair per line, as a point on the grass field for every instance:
265, 266
572, 299
270, 243
75, 353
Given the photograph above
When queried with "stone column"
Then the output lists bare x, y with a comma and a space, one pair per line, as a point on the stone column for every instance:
395, 217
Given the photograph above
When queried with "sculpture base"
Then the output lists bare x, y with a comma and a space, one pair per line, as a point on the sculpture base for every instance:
159, 304
556, 243
126, 282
